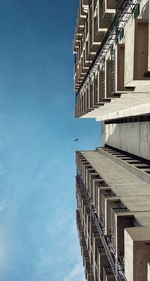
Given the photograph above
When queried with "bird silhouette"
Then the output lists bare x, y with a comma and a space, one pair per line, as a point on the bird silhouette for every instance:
76, 139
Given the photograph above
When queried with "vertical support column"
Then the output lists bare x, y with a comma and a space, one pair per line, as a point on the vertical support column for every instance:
137, 253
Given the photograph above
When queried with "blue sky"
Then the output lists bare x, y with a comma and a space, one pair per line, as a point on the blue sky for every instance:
38, 239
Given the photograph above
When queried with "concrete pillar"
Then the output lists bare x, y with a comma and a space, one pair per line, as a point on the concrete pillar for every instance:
137, 253
148, 272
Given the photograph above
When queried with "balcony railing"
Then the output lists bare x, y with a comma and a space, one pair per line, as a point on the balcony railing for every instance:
119, 276
125, 10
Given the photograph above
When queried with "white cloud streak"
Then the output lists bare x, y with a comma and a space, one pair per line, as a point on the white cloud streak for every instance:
75, 274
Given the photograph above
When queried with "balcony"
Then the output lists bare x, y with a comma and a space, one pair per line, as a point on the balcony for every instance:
114, 72
94, 177
85, 5
87, 55
95, 271
108, 66
82, 13
104, 20
118, 71
120, 219
96, 243
108, 274
86, 99
101, 191
96, 39
97, 33
88, 171
89, 276
136, 53
92, 48
85, 59
108, 8
102, 261
101, 88
107, 200
85, 169
81, 18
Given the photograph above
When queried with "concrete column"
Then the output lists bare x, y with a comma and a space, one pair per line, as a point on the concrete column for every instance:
137, 253
148, 272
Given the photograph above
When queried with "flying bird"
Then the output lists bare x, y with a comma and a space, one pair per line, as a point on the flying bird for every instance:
76, 139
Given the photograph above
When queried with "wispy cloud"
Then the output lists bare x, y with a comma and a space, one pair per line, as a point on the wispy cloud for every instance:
75, 274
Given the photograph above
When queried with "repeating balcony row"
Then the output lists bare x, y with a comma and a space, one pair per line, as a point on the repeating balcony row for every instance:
114, 217
84, 249
94, 256
106, 200
93, 18
99, 91
120, 72
121, 219
134, 54
90, 31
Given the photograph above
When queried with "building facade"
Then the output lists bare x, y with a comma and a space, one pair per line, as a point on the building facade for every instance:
112, 85
113, 214
112, 59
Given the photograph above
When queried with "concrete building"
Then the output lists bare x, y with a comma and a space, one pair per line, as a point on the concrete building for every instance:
113, 214
112, 59
112, 85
